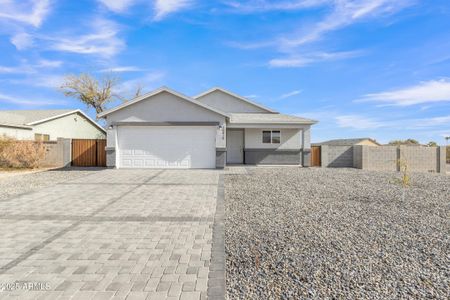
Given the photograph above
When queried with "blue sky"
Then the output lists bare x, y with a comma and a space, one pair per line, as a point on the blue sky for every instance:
375, 68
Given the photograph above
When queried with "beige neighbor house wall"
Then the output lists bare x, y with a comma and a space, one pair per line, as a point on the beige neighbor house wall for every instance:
367, 143
17, 133
74, 126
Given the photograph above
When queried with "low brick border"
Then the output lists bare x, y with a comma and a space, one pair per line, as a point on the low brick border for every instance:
216, 277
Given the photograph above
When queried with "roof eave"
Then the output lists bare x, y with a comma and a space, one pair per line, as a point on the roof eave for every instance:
66, 114
156, 92
235, 95
16, 126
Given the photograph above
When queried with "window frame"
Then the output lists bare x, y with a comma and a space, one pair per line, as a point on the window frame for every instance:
271, 137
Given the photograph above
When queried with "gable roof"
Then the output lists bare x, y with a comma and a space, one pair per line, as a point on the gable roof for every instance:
28, 118
346, 142
235, 96
265, 118
156, 92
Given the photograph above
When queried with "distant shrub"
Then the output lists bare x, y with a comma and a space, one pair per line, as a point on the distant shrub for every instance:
20, 154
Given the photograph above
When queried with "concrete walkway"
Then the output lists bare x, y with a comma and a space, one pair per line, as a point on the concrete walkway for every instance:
116, 234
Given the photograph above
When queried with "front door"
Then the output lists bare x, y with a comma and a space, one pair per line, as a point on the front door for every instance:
235, 146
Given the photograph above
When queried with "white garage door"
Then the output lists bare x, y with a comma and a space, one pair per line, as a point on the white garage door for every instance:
167, 146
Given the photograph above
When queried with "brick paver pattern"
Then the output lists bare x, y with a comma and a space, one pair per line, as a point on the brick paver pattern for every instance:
114, 234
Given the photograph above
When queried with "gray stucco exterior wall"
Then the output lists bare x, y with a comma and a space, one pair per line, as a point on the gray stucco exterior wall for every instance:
272, 157
306, 158
221, 158
110, 157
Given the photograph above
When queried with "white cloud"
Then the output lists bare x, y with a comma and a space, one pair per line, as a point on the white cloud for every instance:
290, 94
32, 12
122, 69
252, 6
26, 68
102, 41
118, 6
22, 41
128, 88
345, 13
358, 122
29, 101
166, 7
298, 61
361, 122
425, 92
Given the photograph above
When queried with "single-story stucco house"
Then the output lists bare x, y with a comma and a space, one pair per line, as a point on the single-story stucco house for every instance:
349, 142
49, 125
166, 129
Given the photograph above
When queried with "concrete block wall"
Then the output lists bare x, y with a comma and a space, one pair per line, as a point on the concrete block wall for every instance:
337, 156
58, 154
420, 159
384, 158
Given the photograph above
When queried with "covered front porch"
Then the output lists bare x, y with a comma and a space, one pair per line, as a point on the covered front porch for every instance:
267, 144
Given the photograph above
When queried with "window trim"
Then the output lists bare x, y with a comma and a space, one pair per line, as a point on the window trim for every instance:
271, 137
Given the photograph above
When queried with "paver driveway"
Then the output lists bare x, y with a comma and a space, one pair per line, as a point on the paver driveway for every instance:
122, 234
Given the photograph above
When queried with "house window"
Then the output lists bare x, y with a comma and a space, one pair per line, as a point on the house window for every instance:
266, 137
271, 137
276, 136
41, 137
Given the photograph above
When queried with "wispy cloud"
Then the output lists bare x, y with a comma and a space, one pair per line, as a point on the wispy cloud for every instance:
358, 122
254, 6
361, 122
166, 7
31, 12
26, 68
345, 13
425, 92
102, 41
122, 69
28, 101
118, 6
290, 94
148, 81
298, 61
22, 40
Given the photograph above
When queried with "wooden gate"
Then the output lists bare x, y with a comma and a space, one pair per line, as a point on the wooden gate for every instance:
315, 156
88, 153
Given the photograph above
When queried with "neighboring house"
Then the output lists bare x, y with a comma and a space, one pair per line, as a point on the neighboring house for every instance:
48, 125
166, 129
350, 142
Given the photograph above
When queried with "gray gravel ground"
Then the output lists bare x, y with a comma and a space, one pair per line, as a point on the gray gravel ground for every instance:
22, 183
312, 233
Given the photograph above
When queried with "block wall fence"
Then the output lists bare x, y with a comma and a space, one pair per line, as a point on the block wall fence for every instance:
385, 158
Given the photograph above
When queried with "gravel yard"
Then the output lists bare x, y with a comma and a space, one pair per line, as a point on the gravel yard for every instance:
312, 233
15, 184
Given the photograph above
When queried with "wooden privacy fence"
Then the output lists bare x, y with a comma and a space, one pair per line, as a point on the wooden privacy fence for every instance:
88, 153
315, 156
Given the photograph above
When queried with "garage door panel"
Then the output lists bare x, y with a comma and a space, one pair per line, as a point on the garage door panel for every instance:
166, 147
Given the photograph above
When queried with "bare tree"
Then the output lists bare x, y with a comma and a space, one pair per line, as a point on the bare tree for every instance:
93, 92
89, 90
